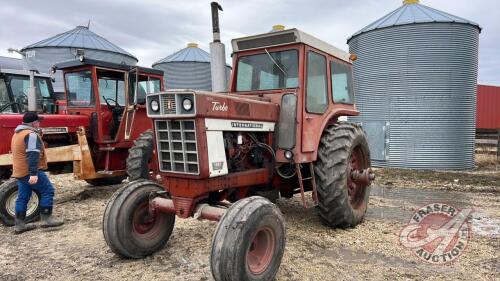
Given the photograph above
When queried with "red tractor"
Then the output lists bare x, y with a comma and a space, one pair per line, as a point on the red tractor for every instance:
227, 156
105, 112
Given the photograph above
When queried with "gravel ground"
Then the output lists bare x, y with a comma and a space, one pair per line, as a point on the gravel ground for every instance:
370, 251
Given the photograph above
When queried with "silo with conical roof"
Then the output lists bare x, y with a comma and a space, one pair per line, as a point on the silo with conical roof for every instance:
415, 81
63, 47
188, 68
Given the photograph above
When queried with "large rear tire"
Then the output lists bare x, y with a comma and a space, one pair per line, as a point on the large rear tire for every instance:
128, 227
139, 156
8, 196
343, 148
249, 241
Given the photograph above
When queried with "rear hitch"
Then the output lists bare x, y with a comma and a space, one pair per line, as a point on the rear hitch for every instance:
363, 177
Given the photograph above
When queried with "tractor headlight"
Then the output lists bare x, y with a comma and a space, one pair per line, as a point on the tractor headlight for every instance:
288, 154
187, 104
155, 106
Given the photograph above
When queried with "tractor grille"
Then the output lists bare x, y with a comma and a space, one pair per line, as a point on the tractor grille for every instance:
177, 149
169, 106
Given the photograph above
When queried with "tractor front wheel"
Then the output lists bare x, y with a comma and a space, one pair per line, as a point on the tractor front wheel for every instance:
343, 150
249, 241
129, 228
8, 197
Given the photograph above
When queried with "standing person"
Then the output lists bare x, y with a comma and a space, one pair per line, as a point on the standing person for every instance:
28, 162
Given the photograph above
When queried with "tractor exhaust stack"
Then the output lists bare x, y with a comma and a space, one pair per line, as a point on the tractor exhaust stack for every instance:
217, 53
32, 92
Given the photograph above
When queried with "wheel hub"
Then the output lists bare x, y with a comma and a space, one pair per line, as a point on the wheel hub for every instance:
359, 177
11, 204
143, 222
261, 250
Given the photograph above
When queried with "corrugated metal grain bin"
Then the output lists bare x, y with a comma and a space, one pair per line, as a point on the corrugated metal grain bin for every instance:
415, 80
63, 47
188, 68
488, 107
12, 63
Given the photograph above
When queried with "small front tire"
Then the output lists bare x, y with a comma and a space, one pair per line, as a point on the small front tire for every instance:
128, 227
8, 196
249, 241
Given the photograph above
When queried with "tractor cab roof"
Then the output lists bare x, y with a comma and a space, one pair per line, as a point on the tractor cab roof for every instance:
285, 37
99, 63
22, 72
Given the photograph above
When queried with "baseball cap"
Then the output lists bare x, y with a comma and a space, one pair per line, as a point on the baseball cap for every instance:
30, 117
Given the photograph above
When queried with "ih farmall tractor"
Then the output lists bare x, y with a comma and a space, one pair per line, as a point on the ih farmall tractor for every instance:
226, 156
91, 136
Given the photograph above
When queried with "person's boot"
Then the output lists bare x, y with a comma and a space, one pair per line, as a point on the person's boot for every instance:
20, 223
48, 220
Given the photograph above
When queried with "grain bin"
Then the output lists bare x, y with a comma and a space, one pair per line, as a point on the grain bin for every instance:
188, 68
415, 80
63, 47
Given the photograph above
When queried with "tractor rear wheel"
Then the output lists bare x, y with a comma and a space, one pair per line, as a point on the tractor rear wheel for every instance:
249, 241
343, 149
8, 197
139, 157
106, 181
129, 229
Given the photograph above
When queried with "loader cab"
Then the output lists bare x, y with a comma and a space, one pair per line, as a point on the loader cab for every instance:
14, 89
110, 95
310, 79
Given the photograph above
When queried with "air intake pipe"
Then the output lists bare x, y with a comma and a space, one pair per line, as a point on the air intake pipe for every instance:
217, 53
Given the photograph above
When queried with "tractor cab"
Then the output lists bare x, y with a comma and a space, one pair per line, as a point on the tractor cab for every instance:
311, 80
110, 95
14, 91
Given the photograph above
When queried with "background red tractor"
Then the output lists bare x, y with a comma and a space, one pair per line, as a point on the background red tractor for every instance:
104, 114
217, 155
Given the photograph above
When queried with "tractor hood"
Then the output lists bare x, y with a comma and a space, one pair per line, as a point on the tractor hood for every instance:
51, 123
211, 105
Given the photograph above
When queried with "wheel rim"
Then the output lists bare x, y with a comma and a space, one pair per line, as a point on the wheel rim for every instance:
261, 250
145, 225
356, 190
32, 204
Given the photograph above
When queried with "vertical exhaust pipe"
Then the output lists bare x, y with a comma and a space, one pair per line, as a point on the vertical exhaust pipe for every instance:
32, 92
217, 53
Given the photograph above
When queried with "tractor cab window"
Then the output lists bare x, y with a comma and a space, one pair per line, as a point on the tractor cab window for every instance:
342, 88
317, 96
147, 85
5, 103
79, 88
268, 71
111, 87
20, 87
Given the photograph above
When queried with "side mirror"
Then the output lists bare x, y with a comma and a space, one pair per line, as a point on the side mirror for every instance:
288, 122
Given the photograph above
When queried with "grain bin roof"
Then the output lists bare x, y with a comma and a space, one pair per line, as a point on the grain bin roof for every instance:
189, 54
12, 63
79, 37
413, 12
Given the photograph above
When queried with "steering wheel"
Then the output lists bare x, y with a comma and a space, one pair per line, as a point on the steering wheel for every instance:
109, 105
7, 106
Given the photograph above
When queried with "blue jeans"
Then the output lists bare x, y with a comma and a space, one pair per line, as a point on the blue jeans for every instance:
43, 185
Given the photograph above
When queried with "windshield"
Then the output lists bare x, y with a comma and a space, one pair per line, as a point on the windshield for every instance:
20, 87
276, 70
79, 88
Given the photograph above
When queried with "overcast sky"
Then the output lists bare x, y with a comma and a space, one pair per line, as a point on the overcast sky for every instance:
153, 29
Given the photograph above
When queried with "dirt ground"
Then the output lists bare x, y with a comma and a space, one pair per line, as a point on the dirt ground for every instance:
371, 251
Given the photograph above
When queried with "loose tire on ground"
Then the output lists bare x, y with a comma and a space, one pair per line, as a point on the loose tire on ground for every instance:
106, 181
8, 196
342, 203
128, 228
139, 156
249, 241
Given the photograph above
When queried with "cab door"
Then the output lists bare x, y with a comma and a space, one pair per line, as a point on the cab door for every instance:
112, 101
316, 99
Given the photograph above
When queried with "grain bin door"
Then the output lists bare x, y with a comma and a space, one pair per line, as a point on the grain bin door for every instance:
376, 132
